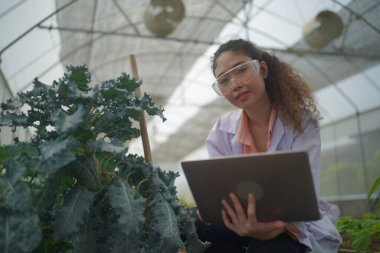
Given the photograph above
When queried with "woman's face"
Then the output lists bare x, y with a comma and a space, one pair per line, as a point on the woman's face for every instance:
246, 92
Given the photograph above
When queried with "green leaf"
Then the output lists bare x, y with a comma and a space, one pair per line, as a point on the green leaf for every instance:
83, 169
90, 235
47, 196
14, 193
65, 122
165, 180
374, 187
148, 105
11, 105
53, 164
362, 240
13, 119
17, 197
6, 152
164, 233
14, 170
48, 245
368, 223
115, 146
79, 76
52, 148
119, 242
55, 155
70, 215
19, 232
189, 233
168, 179
127, 206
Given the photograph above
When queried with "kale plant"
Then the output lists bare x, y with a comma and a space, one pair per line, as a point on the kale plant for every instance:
74, 187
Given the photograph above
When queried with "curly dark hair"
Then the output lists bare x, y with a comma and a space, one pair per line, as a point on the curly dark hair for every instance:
286, 89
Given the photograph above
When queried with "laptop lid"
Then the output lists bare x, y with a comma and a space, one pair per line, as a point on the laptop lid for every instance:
281, 182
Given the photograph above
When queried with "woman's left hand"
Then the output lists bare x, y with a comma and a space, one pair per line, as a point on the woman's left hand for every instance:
245, 223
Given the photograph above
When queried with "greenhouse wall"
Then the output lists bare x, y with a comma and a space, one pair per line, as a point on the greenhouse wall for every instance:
351, 161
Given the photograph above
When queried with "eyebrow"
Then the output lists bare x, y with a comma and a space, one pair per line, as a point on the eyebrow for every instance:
233, 66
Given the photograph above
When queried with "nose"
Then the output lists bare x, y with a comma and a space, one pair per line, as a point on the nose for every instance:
235, 83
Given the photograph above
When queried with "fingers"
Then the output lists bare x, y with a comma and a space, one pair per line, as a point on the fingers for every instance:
251, 209
229, 216
237, 212
226, 220
237, 206
274, 225
291, 227
292, 230
279, 224
228, 209
199, 216
273, 233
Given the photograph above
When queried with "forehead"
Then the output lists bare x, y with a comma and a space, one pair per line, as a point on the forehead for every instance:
228, 60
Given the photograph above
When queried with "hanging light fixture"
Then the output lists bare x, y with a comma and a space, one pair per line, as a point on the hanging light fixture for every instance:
323, 29
162, 16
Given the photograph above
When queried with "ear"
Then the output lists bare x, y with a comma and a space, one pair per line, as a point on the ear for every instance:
264, 69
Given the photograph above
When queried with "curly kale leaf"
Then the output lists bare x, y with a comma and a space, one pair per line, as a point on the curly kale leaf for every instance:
65, 122
164, 234
129, 209
70, 215
55, 154
19, 232
114, 146
128, 206
163, 182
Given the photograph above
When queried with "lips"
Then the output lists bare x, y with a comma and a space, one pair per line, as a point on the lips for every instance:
242, 96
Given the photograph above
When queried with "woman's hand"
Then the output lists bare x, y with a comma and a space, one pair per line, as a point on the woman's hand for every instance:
245, 223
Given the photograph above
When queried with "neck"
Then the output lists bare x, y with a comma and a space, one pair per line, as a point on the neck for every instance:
259, 115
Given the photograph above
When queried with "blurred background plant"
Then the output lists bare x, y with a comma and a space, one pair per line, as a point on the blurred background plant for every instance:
363, 233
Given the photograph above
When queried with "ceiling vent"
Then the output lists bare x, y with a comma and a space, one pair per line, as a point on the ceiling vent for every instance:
322, 29
163, 16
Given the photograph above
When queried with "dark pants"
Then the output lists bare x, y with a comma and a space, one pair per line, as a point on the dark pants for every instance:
224, 240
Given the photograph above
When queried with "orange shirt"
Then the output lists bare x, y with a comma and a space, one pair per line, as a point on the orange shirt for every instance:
244, 135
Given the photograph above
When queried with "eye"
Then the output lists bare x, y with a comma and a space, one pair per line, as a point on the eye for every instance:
224, 80
241, 69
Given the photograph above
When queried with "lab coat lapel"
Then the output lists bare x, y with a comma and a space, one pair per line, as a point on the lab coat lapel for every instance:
278, 134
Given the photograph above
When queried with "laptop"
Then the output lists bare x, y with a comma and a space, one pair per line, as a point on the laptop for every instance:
281, 182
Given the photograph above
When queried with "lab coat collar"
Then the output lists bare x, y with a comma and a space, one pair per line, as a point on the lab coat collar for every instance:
278, 133
231, 122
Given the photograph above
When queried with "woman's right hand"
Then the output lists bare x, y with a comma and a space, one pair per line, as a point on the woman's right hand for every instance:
245, 223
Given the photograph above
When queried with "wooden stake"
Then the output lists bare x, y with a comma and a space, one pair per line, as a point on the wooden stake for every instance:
143, 127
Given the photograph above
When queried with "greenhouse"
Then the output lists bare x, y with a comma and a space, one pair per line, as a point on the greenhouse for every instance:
333, 44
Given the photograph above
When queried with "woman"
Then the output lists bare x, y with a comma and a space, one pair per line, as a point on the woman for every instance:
276, 112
